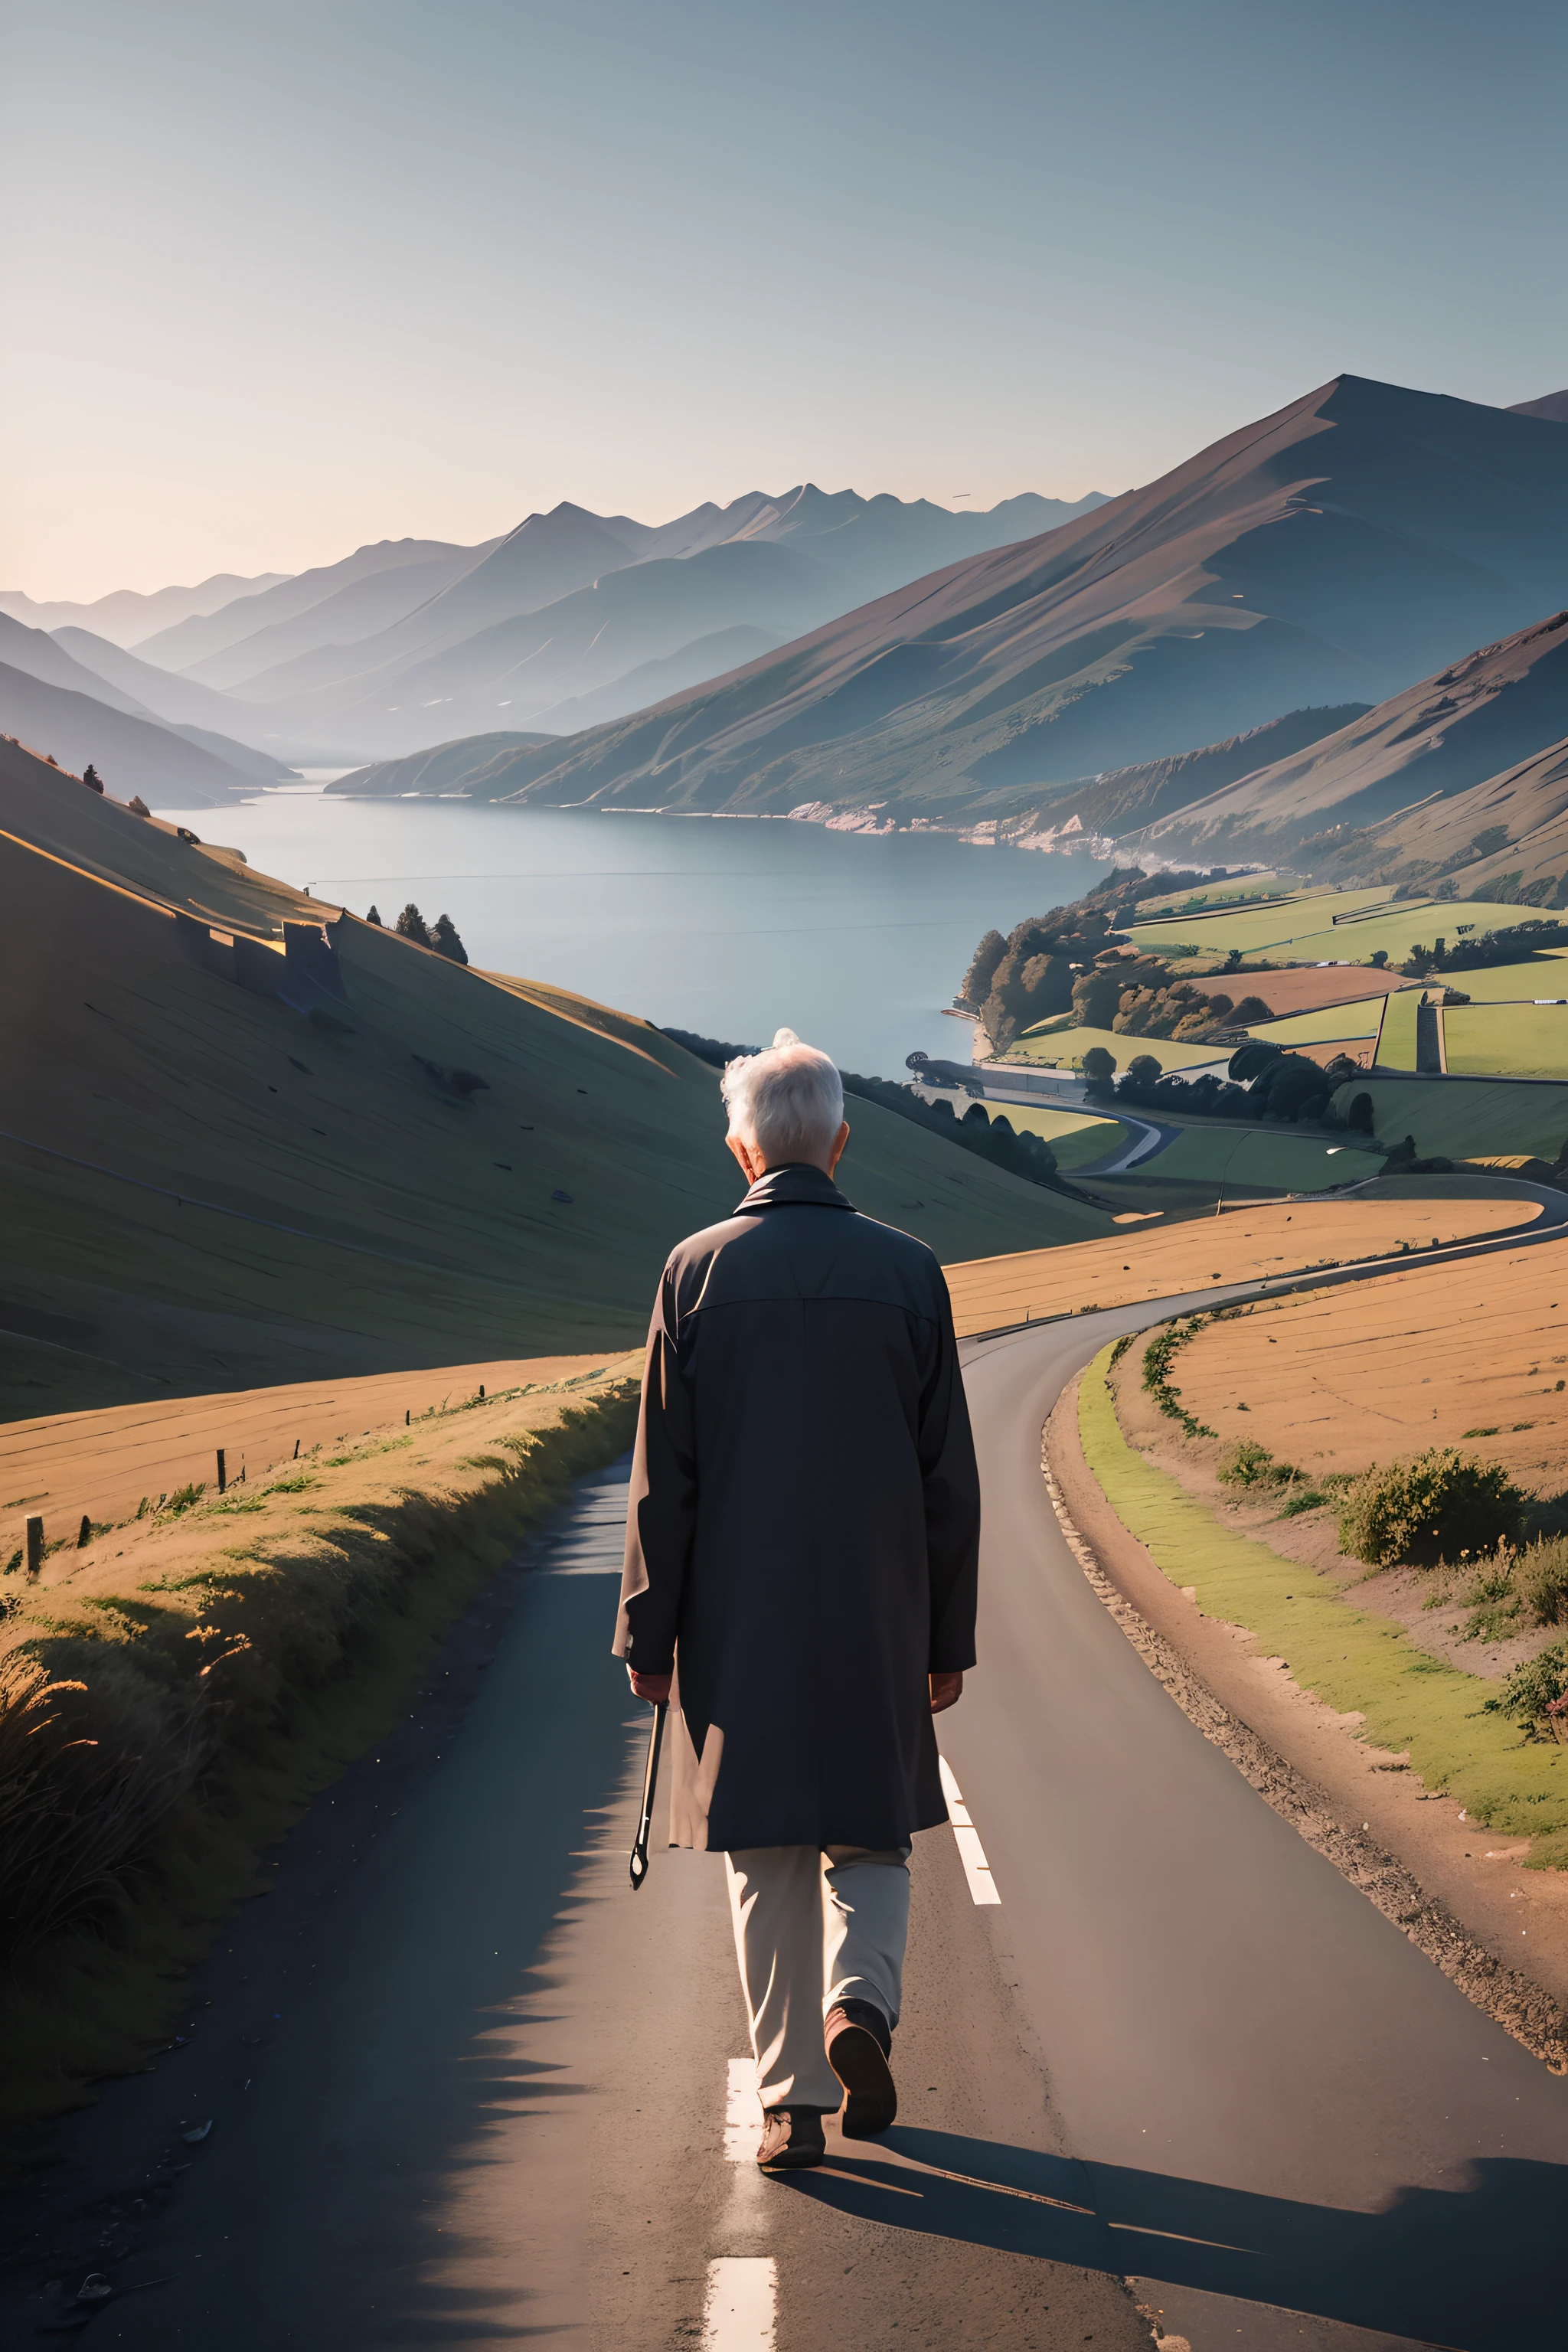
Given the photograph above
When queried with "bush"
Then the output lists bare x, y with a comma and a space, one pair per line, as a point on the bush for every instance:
1541, 1580
1416, 1514
1535, 1692
1247, 1464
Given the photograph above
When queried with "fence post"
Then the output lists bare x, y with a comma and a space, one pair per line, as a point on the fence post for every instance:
222, 1478
35, 1542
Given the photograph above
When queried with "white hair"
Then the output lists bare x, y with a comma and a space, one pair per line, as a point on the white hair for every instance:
786, 1103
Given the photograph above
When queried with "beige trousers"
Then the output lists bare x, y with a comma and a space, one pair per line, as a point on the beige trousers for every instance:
813, 1929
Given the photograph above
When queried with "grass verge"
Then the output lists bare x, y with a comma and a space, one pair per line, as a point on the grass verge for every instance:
172, 1698
1349, 1658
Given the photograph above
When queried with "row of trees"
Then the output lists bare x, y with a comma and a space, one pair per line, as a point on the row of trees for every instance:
1513, 944
441, 935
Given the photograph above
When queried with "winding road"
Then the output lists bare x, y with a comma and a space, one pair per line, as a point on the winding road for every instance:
466, 2090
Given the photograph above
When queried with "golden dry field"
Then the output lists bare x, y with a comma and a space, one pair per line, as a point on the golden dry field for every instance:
1473, 1354
1249, 1243
103, 1463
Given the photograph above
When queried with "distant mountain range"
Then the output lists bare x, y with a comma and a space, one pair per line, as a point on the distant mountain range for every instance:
560, 621
1361, 536
570, 619
126, 615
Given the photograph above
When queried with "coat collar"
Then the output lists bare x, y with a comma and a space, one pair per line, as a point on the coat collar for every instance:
794, 1186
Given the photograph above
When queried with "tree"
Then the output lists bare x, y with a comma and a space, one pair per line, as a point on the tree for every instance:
445, 940
374, 917
1100, 1068
411, 925
1487, 842
1359, 1114
1446, 889
92, 778
1249, 1061
1378, 958
1250, 1009
977, 979
1143, 1070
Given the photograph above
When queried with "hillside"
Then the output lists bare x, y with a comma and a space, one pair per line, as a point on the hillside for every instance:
131, 754
1553, 405
1125, 799
1446, 743
1363, 535
250, 1140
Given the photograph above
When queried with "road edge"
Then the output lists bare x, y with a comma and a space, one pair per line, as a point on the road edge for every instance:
1118, 1569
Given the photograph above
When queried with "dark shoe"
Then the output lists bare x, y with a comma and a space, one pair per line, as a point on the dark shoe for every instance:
791, 2138
859, 2040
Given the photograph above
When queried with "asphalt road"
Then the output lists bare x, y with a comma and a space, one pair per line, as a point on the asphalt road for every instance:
466, 2089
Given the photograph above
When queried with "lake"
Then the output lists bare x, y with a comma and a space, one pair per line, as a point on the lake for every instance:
731, 926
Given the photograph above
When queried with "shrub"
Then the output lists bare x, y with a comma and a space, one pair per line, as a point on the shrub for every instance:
1540, 1578
1433, 1509
1534, 1692
1247, 1464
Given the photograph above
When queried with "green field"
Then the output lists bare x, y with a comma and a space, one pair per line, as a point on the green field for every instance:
1261, 927
1066, 1048
1396, 1044
1329, 1021
1076, 1136
1302, 932
1465, 1117
1281, 1161
1543, 975
1517, 1041
1218, 895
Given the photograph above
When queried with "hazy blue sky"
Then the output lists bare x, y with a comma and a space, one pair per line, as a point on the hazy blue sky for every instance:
280, 278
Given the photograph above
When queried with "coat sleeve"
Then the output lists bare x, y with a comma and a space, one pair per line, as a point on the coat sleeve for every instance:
662, 1512
951, 1477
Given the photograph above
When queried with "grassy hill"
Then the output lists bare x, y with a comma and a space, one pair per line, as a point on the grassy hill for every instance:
1478, 745
247, 1139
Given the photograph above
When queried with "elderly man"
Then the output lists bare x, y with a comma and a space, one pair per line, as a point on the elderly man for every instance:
801, 1557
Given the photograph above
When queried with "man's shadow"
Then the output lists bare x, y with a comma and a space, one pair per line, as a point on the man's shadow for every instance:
1477, 2267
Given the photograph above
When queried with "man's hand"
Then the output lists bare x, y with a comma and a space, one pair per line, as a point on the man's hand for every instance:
656, 1687
946, 1690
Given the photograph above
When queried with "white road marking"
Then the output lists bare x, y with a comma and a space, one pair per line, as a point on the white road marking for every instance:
739, 2316
971, 1853
742, 2113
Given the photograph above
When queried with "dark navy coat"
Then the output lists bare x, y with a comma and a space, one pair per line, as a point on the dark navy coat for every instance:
804, 1528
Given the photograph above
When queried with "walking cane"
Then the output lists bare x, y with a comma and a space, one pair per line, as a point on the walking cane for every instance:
655, 1740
